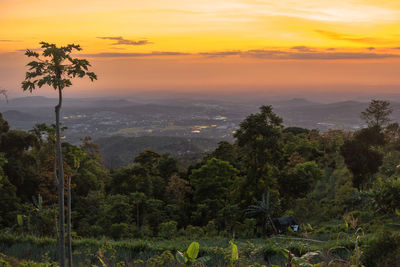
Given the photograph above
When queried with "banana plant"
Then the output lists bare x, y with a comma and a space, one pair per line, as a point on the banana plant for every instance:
235, 253
189, 257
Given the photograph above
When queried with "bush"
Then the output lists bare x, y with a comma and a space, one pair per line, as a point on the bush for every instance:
246, 229
386, 195
383, 250
119, 230
211, 229
168, 229
96, 230
270, 250
194, 232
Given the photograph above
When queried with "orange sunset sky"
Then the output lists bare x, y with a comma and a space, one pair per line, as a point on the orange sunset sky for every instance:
210, 45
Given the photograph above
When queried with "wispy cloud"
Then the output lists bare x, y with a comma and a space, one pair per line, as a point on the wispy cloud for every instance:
221, 53
121, 41
350, 38
297, 53
151, 54
9, 41
302, 48
278, 54
32, 49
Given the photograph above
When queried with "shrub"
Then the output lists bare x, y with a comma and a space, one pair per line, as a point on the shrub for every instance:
211, 229
96, 230
386, 195
119, 230
384, 250
194, 232
168, 229
162, 260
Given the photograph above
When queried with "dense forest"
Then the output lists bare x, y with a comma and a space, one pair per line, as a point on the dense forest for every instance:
338, 185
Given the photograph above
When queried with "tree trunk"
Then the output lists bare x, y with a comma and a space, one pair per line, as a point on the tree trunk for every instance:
272, 224
137, 215
60, 183
69, 240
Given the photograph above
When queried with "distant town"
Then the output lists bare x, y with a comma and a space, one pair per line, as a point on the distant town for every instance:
175, 117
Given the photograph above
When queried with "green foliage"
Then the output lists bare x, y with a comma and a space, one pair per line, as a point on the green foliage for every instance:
118, 230
20, 220
212, 183
57, 70
361, 160
193, 232
168, 229
309, 175
259, 142
300, 179
377, 113
189, 257
211, 229
162, 260
386, 195
235, 252
384, 250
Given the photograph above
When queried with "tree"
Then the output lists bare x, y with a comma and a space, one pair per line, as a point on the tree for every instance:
212, 183
21, 168
377, 113
263, 209
77, 155
56, 68
259, 142
4, 127
9, 201
361, 160
300, 179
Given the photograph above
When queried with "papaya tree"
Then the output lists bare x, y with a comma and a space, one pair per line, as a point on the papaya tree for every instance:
56, 67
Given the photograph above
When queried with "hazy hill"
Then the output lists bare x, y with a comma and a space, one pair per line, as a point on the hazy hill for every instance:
15, 115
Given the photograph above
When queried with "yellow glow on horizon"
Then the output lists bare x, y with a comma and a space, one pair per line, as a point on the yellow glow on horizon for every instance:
204, 25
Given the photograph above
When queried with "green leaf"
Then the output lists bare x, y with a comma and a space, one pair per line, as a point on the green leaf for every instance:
193, 250
397, 212
19, 220
235, 253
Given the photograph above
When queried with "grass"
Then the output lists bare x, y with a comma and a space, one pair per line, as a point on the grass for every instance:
86, 250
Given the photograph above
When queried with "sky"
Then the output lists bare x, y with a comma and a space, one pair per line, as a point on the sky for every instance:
211, 46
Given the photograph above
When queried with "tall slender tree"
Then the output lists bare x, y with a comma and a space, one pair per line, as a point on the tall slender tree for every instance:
55, 67
377, 114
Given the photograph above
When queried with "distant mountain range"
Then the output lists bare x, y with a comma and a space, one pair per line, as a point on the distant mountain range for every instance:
177, 126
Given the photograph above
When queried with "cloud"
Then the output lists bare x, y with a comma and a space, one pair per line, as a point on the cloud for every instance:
303, 54
121, 41
32, 49
302, 48
9, 41
344, 37
278, 54
151, 54
221, 53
